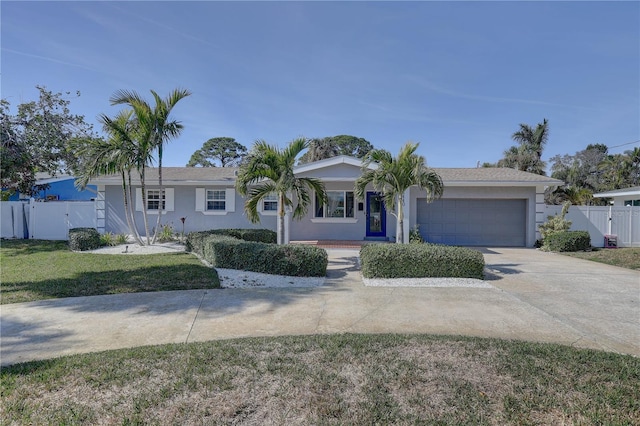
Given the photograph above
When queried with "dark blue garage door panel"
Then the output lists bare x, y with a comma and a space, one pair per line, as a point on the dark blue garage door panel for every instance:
500, 223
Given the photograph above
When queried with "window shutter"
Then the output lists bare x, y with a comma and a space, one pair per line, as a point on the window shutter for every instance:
200, 195
139, 205
168, 199
230, 200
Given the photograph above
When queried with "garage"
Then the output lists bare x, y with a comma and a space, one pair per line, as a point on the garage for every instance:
469, 222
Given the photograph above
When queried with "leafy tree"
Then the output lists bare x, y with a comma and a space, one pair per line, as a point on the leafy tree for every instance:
225, 151
393, 176
527, 155
332, 146
37, 138
269, 170
154, 129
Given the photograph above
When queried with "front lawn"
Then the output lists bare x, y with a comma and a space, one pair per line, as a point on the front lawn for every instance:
334, 380
624, 257
36, 269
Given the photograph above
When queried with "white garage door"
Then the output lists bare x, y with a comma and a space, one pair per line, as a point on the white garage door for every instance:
499, 223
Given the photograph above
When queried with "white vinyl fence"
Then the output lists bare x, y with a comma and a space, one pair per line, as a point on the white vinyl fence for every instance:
623, 222
45, 220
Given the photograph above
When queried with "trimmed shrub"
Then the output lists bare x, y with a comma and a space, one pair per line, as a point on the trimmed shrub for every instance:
555, 223
568, 241
81, 239
224, 251
257, 235
420, 261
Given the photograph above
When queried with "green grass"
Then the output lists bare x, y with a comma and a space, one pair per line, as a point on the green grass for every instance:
36, 270
624, 257
333, 380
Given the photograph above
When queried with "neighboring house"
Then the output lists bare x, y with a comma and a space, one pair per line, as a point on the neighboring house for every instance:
622, 197
61, 188
480, 206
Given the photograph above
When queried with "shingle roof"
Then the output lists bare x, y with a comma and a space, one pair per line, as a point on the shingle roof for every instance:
177, 174
634, 190
450, 176
493, 175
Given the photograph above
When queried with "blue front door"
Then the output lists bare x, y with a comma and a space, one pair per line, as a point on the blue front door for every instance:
376, 216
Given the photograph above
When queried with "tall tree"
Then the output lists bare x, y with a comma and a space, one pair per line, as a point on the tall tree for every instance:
36, 139
269, 170
393, 176
117, 154
527, 155
223, 150
328, 147
155, 129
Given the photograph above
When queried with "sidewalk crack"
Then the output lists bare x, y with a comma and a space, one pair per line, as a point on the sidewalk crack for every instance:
195, 317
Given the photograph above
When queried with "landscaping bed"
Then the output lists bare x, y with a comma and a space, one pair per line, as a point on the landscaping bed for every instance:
420, 261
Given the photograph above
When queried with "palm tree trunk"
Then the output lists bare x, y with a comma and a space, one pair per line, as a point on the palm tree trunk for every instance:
131, 219
124, 200
144, 205
155, 234
400, 238
281, 215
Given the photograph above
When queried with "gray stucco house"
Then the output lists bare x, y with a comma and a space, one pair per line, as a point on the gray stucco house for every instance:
480, 206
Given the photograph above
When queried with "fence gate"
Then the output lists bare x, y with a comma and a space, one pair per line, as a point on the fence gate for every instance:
52, 220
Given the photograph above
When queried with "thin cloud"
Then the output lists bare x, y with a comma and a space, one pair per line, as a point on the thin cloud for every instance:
47, 58
444, 91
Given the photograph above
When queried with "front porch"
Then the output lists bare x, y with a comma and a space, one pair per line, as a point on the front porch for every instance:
336, 244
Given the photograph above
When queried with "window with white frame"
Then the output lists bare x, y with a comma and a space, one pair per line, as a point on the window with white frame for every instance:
633, 203
153, 199
216, 200
340, 204
270, 203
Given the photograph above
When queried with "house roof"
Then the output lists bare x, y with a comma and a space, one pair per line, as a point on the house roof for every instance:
492, 176
227, 175
634, 190
177, 176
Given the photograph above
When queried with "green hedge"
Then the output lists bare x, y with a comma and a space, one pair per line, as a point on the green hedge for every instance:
81, 239
257, 235
568, 241
224, 251
420, 261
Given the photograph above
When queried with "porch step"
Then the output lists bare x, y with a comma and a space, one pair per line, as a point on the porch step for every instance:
376, 238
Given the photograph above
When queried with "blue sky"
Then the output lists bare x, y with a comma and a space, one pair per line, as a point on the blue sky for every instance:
458, 77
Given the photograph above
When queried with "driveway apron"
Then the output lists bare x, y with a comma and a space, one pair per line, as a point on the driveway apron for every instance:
533, 296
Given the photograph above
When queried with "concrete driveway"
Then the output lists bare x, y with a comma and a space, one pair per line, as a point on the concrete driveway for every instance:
533, 296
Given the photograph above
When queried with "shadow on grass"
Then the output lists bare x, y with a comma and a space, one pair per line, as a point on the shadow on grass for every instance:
145, 279
24, 247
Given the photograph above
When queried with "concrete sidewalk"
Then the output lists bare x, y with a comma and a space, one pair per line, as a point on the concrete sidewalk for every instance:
535, 296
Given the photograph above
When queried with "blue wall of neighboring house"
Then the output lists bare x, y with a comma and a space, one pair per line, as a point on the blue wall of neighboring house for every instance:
65, 190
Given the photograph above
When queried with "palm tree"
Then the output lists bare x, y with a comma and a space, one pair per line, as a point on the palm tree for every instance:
156, 129
269, 170
532, 142
117, 154
393, 176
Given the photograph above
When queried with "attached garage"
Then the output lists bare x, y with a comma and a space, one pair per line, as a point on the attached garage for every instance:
469, 222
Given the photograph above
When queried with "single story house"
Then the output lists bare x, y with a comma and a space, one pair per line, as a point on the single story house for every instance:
622, 197
480, 206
